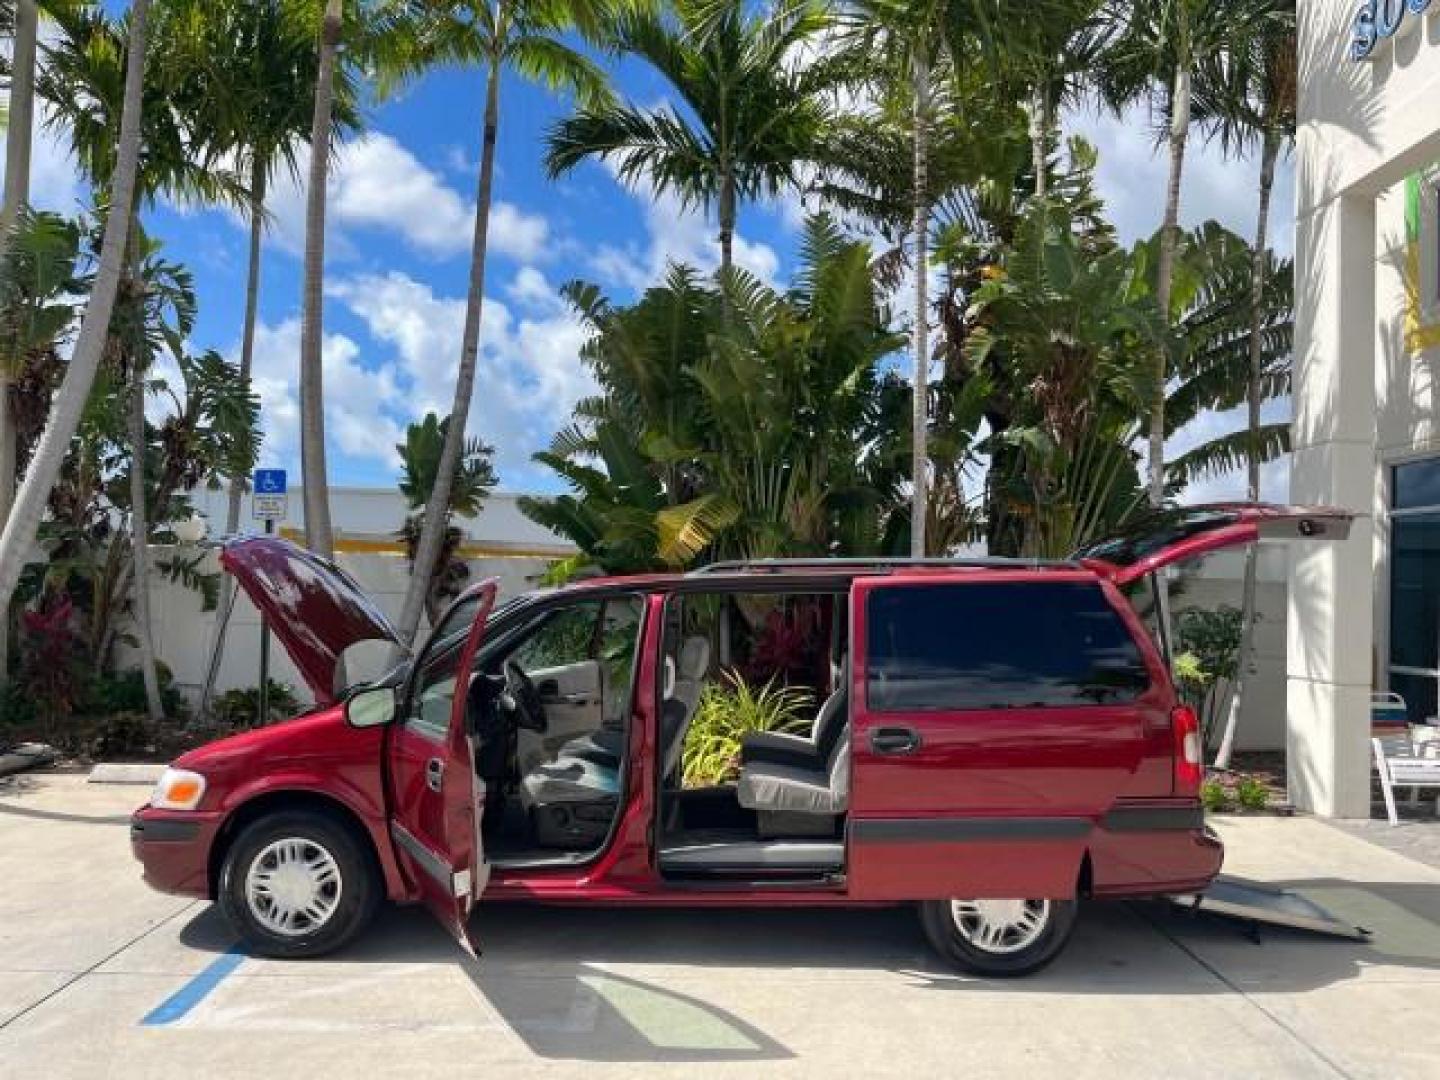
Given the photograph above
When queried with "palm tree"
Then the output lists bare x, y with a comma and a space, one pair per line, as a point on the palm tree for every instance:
1157, 52
83, 73
18, 136
319, 537
526, 37
1252, 96
268, 68
912, 45
750, 107
20, 529
419, 461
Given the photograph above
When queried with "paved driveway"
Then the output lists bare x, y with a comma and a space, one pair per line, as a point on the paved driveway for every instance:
101, 977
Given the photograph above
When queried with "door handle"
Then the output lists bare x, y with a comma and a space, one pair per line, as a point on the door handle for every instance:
435, 773
894, 740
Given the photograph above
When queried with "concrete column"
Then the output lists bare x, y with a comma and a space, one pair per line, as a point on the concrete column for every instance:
1330, 635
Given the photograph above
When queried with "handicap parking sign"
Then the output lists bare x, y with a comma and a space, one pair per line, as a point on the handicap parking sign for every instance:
270, 481
269, 502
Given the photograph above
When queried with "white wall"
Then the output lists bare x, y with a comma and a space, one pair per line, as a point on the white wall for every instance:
183, 632
1218, 581
1360, 399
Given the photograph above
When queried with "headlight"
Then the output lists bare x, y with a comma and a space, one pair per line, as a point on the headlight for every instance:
178, 789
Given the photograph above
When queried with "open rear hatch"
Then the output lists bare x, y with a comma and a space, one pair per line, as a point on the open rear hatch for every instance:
1165, 537
315, 609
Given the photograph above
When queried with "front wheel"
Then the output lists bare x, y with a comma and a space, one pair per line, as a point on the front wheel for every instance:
297, 884
998, 937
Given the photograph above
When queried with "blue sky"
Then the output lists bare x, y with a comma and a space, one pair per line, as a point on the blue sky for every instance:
398, 252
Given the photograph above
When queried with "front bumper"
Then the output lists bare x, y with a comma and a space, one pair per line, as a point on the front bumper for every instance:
173, 848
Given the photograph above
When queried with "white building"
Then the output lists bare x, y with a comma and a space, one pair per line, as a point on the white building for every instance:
1365, 614
500, 542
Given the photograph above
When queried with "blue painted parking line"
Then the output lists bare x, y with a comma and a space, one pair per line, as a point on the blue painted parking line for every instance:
195, 991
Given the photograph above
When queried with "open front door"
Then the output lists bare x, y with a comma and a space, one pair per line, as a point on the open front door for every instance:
1165, 537
437, 798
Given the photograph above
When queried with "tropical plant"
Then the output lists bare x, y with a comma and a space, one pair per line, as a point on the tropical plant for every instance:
239, 709
748, 104
767, 426
1074, 322
1212, 637
420, 456
81, 83
266, 64
1250, 96
726, 712
526, 37
1160, 46
18, 136
70, 400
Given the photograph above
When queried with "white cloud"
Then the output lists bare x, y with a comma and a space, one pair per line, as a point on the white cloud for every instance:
533, 291
1133, 172
676, 235
358, 401
529, 374
376, 184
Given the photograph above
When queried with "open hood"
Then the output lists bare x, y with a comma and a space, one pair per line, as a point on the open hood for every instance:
316, 610
1173, 535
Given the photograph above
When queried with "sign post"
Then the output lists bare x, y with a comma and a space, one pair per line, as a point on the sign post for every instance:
269, 503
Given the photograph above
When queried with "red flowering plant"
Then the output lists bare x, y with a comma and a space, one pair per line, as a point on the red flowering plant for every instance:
52, 667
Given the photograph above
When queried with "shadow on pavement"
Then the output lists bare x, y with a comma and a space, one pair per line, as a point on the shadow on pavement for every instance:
549, 972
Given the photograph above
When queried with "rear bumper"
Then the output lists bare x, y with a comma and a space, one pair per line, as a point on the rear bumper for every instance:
1152, 849
173, 849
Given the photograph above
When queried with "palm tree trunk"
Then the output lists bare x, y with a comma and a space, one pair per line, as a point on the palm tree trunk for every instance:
726, 205
1040, 139
1169, 237
319, 536
17, 193
140, 545
920, 415
1270, 151
437, 506
258, 170
18, 537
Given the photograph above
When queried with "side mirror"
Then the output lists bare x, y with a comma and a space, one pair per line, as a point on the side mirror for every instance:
370, 708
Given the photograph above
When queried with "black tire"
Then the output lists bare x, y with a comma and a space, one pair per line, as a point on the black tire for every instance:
359, 888
941, 927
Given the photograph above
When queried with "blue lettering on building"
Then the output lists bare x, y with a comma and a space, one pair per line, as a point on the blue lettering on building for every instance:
1377, 19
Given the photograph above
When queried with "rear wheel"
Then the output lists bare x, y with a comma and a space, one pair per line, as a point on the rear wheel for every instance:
297, 884
998, 936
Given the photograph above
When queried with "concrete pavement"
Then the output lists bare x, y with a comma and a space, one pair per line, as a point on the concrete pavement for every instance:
99, 977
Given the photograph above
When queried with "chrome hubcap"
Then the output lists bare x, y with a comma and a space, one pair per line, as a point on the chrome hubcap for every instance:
293, 886
1000, 926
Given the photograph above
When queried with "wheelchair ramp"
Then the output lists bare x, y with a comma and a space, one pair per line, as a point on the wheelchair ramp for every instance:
1264, 905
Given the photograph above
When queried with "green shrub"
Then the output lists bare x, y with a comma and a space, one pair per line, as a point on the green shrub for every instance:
725, 713
1214, 797
239, 709
124, 692
1251, 793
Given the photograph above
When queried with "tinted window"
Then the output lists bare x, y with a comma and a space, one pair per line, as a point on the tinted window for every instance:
998, 646
1150, 532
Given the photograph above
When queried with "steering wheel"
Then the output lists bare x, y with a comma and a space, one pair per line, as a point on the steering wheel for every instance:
528, 709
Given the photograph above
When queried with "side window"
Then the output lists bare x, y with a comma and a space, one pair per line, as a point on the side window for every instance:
567, 636
434, 693
997, 646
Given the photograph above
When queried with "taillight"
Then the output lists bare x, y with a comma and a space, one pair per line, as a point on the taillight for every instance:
1189, 762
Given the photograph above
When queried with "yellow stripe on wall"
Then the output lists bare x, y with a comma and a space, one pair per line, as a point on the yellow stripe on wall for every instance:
356, 546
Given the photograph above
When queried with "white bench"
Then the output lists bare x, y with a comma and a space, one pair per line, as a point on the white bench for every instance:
1411, 760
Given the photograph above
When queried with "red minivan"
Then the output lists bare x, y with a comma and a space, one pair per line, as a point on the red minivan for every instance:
990, 739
